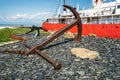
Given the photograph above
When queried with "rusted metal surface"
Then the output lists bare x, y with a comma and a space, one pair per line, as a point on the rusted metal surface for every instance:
13, 51
57, 34
44, 56
17, 37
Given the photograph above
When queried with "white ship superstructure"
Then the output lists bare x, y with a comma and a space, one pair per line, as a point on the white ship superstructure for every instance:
100, 13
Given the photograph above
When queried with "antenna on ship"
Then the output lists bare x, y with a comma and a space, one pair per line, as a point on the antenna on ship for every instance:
64, 2
78, 7
57, 11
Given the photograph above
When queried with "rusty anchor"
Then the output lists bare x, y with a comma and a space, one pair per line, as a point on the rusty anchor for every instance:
54, 36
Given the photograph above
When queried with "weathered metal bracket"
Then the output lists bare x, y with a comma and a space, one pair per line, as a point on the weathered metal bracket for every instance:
35, 28
38, 48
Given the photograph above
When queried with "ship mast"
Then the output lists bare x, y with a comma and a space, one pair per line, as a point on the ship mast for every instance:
64, 2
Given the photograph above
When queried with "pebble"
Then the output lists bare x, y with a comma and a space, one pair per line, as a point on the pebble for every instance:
77, 60
15, 46
81, 73
33, 67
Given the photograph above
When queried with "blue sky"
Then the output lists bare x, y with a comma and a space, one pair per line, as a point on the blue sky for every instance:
33, 10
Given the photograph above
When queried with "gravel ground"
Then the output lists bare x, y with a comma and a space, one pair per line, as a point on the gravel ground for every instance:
33, 67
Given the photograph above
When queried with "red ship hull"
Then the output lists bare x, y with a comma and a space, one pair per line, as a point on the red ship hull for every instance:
100, 30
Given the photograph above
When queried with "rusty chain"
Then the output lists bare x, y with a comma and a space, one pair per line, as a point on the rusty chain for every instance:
13, 51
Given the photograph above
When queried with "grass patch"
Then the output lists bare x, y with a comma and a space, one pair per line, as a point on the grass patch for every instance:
5, 32
44, 32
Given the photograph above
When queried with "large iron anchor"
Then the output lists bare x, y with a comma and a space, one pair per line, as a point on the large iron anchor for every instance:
38, 48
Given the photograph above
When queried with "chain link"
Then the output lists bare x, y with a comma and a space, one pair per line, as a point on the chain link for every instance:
13, 51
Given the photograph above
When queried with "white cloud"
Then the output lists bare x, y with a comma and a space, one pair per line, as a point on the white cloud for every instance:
29, 17
40, 15
18, 16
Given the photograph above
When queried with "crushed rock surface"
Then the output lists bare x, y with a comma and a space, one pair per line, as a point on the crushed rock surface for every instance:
33, 67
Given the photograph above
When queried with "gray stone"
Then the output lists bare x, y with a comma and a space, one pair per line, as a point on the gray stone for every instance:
82, 73
17, 66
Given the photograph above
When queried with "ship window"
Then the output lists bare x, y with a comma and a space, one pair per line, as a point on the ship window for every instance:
47, 20
102, 12
62, 20
118, 7
83, 14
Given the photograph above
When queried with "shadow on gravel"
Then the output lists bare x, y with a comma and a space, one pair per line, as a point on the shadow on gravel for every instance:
56, 44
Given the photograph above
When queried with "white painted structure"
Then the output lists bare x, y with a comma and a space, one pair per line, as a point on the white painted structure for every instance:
100, 13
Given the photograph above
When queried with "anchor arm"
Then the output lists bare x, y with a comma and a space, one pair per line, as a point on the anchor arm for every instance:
57, 34
60, 32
